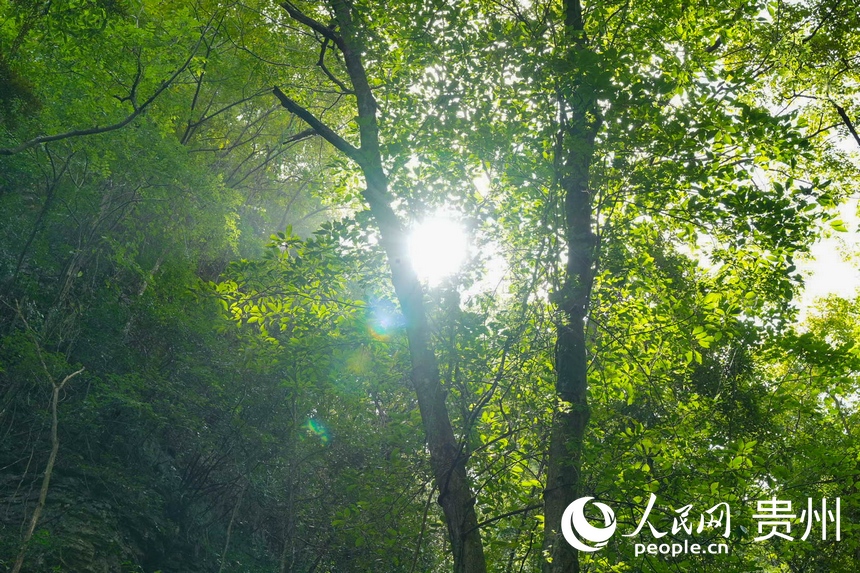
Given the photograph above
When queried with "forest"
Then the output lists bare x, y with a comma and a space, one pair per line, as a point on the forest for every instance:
479, 286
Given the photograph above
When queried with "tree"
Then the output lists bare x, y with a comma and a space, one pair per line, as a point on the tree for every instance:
589, 94
624, 166
56, 388
616, 99
446, 455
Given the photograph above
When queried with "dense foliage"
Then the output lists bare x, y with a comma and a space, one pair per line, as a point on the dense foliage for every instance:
216, 356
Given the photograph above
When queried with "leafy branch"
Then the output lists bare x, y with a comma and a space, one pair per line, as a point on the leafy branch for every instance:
131, 98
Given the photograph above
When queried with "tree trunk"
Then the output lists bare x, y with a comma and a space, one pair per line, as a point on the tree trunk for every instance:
447, 458
578, 126
49, 468
230, 528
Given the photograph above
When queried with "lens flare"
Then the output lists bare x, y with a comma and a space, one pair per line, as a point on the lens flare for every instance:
383, 320
317, 429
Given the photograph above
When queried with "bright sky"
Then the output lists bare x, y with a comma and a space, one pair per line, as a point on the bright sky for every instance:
834, 267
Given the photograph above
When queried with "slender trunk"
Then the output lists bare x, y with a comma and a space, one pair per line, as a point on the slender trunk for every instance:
36, 226
447, 459
574, 150
85, 238
288, 552
571, 417
46, 206
230, 528
49, 470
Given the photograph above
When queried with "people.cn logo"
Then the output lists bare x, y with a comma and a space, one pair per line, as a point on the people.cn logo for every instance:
576, 528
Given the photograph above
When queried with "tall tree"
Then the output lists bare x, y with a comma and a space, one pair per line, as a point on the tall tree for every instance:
579, 120
447, 457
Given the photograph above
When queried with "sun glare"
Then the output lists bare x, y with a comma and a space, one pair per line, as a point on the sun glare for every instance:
438, 247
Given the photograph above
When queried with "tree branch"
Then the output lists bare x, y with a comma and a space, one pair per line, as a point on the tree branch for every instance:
55, 442
314, 25
715, 46
204, 118
114, 126
299, 136
351, 48
325, 131
846, 120
509, 514
327, 72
